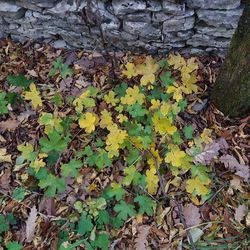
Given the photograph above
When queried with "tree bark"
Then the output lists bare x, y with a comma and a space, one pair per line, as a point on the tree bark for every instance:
231, 92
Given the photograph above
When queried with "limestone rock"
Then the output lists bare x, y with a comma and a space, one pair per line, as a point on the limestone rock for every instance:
122, 7
219, 18
178, 24
214, 4
173, 8
154, 5
142, 29
11, 10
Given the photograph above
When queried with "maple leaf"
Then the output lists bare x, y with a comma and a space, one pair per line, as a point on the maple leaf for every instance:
38, 162
132, 175
197, 187
3, 103
152, 180
34, 96
106, 119
133, 96
176, 90
148, 70
155, 104
129, 70
165, 108
122, 118
85, 224
175, 156
147, 205
71, 168
124, 210
51, 122
110, 98
163, 125
116, 191
88, 122
177, 61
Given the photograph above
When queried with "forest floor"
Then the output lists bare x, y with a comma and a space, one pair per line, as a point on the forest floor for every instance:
122, 152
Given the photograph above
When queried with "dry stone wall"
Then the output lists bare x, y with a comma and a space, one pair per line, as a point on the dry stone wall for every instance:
150, 26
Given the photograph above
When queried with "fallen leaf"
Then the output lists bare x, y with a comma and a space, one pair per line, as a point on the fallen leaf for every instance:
9, 124
240, 213
31, 224
210, 151
5, 179
141, 240
192, 215
4, 157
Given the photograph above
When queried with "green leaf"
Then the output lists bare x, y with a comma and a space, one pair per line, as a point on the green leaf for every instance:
133, 155
137, 110
120, 90
188, 131
117, 222
54, 142
11, 219
53, 185
71, 168
4, 226
102, 241
19, 193
102, 160
167, 79
57, 100
13, 245
125, 210
66, 71
132, 175
19, 81
3, 103
116, 191
177, 138
200, 171
147, 205
85, 224
103, 219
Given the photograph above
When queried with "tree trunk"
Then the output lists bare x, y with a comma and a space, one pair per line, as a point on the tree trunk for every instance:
231, 92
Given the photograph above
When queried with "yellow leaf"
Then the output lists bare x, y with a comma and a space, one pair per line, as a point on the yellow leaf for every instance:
155, 104
177, 61
33, 95
176, 90
163, 125
106, 119
165, 108
130, 71
152, 180
122, 118
26, 150
148, 70
4, 157
133, 96
88, 122
175, 156
197, 187
110, 98
206, 136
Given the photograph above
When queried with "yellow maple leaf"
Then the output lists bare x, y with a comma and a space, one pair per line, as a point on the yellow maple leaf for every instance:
129, 70
152, 180
26, 150
39, 162
133, 96
148, 70
197, 187
34, 96
122, 118
165, 108
88, 122
206, 136
176, 90
175, 156
177, 61
110, 98
155, 104
163, 125
106, 119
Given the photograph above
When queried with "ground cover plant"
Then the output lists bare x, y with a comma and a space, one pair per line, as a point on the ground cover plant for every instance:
139, 161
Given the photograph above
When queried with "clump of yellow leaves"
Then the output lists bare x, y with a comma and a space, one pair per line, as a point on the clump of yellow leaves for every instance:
88, 122
163, 124
34, 96
115, 139
133, 96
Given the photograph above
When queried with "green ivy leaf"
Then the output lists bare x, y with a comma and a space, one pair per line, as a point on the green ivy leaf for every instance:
125, 210
19, 81
147, 205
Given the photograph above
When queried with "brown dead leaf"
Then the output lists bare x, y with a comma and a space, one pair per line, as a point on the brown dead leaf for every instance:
210, 151
31, 224
9, 124
4, 157
240, 213
5, 179
192, 215
141, 240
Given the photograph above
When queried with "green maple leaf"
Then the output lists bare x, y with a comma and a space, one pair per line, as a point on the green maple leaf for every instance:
177, 138
13, 245
133, 155
85, 224
188, 131
116, 191
200, 171
71, 168
102, 241
54, 142
137, 110
132, 175
147, 205
19, 81
53, 185
103, 219
66, 71
3, 103
167, 79
120, 90
125, 210
4, 226
102, 160
19, 193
